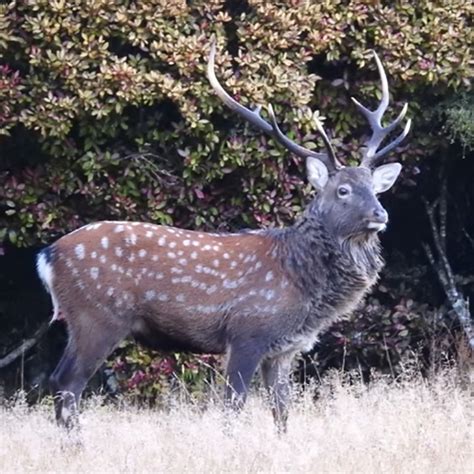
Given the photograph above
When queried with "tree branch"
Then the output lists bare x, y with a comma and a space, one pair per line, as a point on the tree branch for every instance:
441, 265
26, 345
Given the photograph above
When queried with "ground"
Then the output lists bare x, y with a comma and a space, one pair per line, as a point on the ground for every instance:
409, 426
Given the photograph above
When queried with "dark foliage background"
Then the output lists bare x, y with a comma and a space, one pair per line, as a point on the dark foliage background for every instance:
106, 113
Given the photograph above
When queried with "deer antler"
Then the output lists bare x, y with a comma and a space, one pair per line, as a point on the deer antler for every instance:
371, 155
254, 117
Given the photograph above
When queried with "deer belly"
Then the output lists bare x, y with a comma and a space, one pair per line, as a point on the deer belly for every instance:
166, 332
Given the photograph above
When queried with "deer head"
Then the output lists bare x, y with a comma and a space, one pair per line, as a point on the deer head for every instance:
346, 196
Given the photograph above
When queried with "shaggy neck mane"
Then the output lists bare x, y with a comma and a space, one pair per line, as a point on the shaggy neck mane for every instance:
323, 262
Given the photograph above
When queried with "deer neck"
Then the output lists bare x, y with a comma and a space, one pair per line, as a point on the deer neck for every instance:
322, 263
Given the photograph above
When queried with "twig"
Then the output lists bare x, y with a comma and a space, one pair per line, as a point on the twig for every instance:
26, 345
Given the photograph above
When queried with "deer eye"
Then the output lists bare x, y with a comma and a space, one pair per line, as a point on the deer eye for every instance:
343, 191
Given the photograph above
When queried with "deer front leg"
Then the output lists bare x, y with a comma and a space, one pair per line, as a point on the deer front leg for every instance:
241, 366
276, 378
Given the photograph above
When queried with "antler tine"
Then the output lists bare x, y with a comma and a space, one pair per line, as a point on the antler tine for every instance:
374, 117
254, 117
327, 142
329, 159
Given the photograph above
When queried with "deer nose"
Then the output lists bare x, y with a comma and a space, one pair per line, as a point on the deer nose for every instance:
379, 214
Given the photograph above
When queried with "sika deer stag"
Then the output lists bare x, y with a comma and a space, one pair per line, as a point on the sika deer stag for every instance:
261, 296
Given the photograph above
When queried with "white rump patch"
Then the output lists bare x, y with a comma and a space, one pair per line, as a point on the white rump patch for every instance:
46, 273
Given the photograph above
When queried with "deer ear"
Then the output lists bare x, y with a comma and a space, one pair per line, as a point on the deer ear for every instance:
317, 173
384, 176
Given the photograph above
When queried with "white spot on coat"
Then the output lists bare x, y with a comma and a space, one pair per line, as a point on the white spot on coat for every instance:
80, 251
105, 242
269, 276
118, 251
142, 253
229, 283
150, 295
131, 239
119, 228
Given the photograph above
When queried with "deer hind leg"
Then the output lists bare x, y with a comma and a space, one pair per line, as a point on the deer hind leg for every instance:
87, 348
241, 366
276, 378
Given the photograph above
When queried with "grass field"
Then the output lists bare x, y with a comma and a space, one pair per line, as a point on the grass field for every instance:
407, 427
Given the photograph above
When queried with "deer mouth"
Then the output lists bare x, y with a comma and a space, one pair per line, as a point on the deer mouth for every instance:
376, 226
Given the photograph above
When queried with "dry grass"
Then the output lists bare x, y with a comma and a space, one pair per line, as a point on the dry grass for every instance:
412, 426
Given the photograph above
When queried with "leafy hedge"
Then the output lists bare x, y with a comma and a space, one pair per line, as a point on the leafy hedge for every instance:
106, 111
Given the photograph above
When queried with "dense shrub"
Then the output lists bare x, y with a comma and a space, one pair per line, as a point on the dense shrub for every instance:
107, 113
